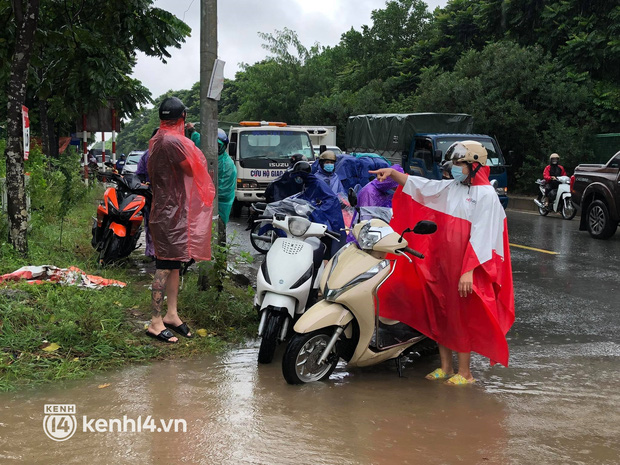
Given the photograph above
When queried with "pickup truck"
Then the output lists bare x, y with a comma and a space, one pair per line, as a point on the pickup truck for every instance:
596, 190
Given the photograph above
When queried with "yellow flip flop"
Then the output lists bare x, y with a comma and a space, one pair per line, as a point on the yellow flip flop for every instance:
458, 380
438, 374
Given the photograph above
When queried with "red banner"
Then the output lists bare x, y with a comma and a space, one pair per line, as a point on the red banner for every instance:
26, 128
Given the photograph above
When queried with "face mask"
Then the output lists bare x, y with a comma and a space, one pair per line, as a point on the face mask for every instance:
329, 167
299, 180
457, 173
554, 162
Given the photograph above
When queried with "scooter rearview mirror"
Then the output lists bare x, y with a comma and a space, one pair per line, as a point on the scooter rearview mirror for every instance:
425, 227
400, 239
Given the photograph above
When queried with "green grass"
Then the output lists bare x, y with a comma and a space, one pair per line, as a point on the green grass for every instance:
97, 329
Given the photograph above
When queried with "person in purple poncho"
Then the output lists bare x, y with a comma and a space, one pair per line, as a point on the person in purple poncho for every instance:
378, 194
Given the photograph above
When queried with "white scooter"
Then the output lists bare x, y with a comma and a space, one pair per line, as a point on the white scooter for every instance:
347, 323
562, 203
288, 278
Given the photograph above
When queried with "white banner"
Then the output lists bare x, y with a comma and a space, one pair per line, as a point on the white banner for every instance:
217, 80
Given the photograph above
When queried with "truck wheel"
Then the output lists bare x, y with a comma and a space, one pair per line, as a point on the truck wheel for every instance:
600, 224
236, 208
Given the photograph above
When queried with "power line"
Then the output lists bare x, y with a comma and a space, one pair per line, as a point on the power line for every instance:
190, 5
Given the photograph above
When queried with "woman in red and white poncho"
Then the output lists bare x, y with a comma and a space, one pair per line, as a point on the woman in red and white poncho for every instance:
461, 295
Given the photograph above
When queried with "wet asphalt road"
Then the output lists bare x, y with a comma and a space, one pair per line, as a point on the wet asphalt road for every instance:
558, 402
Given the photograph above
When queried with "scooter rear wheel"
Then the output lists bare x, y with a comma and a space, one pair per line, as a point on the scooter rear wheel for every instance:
300, 361
269, 340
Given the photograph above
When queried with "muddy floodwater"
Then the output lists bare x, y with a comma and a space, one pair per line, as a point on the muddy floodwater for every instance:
557, 403
237, 412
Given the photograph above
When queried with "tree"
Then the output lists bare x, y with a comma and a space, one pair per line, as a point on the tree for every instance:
83, 53
26, 13
539, 110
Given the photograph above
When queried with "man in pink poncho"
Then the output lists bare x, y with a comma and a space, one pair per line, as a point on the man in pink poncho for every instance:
180, 217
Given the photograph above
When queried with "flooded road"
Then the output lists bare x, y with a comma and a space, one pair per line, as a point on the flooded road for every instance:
557, 403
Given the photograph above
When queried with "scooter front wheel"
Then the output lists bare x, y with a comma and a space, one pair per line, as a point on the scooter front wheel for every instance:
300, 362
262, 242
568, 209
269, 340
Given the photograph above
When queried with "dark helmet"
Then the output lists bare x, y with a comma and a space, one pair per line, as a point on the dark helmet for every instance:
171, 108
302, 167
221, 135
295, 158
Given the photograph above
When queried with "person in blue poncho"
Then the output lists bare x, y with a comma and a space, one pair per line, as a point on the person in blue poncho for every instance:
327, 172
319, 194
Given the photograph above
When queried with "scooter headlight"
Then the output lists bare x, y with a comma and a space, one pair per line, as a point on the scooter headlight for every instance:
298, 226
369, 235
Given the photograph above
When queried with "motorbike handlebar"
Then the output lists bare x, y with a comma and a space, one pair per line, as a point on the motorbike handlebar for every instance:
415, 253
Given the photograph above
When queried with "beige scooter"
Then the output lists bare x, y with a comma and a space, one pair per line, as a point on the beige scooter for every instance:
347, 324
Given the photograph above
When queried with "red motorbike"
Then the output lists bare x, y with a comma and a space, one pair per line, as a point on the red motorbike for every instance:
118, 225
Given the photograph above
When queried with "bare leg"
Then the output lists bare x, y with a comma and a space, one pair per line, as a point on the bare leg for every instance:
464, 359
157, 302
445, 355
172, 291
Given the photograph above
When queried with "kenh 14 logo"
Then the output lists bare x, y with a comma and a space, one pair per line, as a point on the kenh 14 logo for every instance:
59, 422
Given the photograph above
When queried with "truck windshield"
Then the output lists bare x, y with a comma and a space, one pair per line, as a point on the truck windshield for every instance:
493, 157
274, 144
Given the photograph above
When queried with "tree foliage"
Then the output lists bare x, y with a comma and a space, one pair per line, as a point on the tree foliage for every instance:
541, 76
69, 57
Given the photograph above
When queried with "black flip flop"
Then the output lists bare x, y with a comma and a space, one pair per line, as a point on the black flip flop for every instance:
182, 329
164, 336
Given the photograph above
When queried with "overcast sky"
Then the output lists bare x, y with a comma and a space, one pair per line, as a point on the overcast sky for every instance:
239, 21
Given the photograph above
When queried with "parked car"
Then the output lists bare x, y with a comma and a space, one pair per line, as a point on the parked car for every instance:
596, 189
131, 164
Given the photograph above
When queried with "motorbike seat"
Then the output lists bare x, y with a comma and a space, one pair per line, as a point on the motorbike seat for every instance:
260, 206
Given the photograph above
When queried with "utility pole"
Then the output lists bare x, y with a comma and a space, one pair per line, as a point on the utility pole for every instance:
208, 107
208, 129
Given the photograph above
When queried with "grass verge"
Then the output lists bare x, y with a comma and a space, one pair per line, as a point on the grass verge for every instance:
97, 329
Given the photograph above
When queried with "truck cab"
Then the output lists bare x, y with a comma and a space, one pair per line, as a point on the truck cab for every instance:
261, 151
427, 152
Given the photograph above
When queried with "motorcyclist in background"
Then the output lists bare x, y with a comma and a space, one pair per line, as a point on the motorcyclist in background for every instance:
327, 174
550, 175
120, 163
